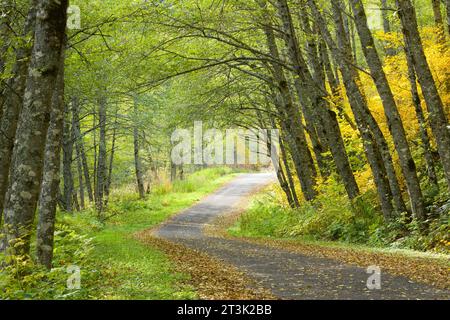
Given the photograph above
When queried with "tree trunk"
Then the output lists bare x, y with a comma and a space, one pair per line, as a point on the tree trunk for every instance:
426, 145
12, 106
28, 154
290, 179
5, 41
80, 178
80, 147
173, 172
330, 127
391, 112
101, 165
48, 199
342, 54
386, 25
95, 147
437, 13
437, 117
137, 159
296, 140
111, 160
67, 148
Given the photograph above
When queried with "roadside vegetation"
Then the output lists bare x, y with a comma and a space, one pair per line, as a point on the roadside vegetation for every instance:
113, 263
333, 218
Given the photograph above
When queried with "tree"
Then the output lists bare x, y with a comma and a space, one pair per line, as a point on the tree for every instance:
28, 154
137, 158
51, 174
12, 106
438, 120
391, 111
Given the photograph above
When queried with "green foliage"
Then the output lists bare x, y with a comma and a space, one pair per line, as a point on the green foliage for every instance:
113, 264
331, 217
23, 278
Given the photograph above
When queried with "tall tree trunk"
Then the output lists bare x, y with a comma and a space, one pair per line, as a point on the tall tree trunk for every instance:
67, 148
437, 13
325, 116
12, 106
386, 25
80, 177
5, 41
48, 198
314, 129
95, 147
101, 165
173, 171
334, 85
295, 135
438, 20
425, 139
111, 159
28, 154
137, 158
391, 112
343, 55
438, 120
290, 178
80, 147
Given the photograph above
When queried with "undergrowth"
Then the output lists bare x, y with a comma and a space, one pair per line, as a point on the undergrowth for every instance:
332, 217
112, 263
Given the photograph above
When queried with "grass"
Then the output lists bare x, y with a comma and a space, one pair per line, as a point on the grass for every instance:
333, 222
113, 263
144, 272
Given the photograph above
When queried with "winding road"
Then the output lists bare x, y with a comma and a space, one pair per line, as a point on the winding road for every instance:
288, 275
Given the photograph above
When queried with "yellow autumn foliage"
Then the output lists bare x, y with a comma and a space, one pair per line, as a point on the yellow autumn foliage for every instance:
395, 67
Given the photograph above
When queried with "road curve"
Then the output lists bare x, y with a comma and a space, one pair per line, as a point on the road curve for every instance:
288, 275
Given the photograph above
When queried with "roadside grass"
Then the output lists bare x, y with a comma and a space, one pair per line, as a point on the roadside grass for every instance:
332, 220
143, 272
113, 263
332, 231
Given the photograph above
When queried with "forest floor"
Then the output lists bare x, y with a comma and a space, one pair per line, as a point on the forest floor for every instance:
224, 267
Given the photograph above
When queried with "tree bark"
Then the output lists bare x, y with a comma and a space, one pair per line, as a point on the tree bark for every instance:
438, 120
101, 165
12, 106
80, 177
386, 25
80, 147
425, 139
5, 39
67, 148
48, 198
173, 172
28, 154
437, 13
111, 160
294, 134
342, 54
137, 158
392, 114
317, 94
